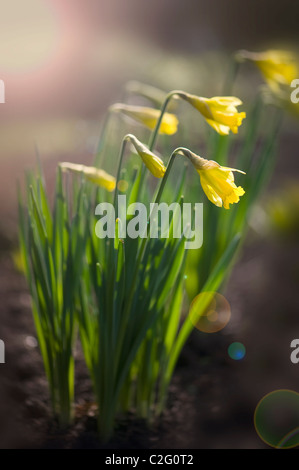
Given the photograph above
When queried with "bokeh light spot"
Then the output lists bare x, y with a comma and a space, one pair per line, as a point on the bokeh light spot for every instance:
122, 186
212, 316
276, 419
236, 351
210, 312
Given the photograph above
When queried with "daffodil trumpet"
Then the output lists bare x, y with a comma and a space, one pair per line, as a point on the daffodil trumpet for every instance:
217, 181
278, 67
148, 117
151, 161
220, 112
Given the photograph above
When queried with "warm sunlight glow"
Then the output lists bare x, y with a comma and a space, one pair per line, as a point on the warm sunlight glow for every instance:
28, 34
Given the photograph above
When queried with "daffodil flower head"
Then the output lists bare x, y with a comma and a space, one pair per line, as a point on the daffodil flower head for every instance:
153, 163
220, 112
148, 117
278, 67
95, 175
216, 181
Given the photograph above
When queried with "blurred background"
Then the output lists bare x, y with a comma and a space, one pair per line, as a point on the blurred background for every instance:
63, 62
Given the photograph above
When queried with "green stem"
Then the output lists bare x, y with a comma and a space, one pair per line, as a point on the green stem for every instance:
155, 133
64, 393
156, 201
115, 204
211, 285
125, 140
139, 261
144, 240
106, 422
231, 76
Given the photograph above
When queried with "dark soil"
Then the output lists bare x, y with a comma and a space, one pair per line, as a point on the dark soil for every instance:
212, 397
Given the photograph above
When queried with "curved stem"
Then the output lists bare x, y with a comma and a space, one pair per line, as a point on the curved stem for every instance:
165, 177
156, 201
115, 202
155, 132
127, 138
115, 199
140, 256
177, 151
120, 162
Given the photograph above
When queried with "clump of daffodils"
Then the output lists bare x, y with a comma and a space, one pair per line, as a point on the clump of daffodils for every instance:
126, 296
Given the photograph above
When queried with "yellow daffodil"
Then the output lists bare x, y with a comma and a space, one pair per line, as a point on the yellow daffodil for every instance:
149, 117
216, 181
220, 112
277, 67
95, 175
154, 164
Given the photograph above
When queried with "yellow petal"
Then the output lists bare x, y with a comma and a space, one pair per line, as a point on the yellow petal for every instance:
233, 169
211, 193
154, 164
100, 177
169, 124
93, 174
217, 181
221, 180
220, 128
220, 112
149, 117
224, 101
277, 67
233, 196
